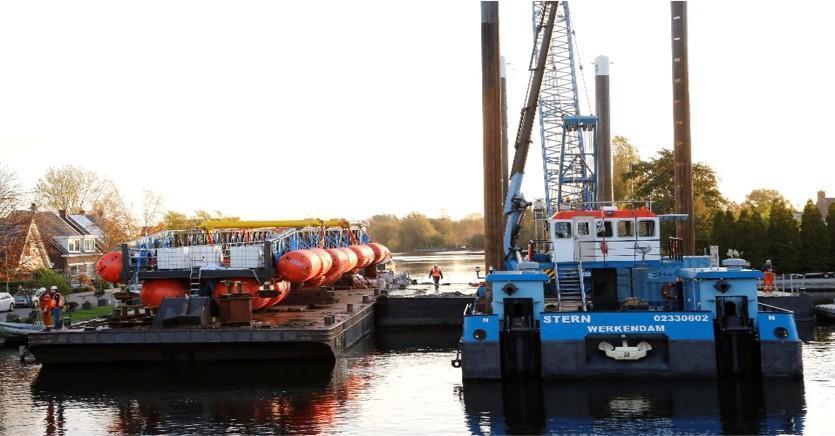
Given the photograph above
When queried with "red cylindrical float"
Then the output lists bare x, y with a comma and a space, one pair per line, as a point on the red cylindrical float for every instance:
340, 261
333, 276
153, 291
380, 252
249, 286
325, 257
352, 259
109, 267
299, 265
314, 283
283, 288
365, 255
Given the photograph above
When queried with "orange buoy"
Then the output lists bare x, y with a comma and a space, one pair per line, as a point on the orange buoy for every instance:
298, 266
365, 255
153, 291
249, 286
380, 252
314, 283
109, 267
283, 288
333, 276
340, 260
325, 257
352, 259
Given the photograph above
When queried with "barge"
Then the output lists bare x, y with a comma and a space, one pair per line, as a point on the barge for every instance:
232, 291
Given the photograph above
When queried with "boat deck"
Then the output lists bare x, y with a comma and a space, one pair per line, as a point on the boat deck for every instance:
300, 333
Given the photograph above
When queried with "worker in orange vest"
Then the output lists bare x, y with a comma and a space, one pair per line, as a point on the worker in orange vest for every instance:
436, 275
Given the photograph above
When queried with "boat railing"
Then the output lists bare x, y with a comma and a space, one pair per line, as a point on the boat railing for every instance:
597, 205
770, 308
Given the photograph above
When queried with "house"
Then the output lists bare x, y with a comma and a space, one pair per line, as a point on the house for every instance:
33, 239
823, 203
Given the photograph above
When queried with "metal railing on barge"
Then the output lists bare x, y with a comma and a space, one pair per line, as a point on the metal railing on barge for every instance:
225, 253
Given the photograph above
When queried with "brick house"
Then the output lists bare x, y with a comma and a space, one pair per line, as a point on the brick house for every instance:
823, 203
33, 239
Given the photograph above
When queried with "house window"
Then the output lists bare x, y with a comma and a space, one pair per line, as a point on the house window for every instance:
625, 229
646, 228
89, 245
73, 245
563, 230
74, 271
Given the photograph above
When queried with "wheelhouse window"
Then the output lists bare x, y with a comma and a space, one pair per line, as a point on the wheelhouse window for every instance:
73, 245
626, 229
582, 229
89, 245
646, 228
562, 230
604, 229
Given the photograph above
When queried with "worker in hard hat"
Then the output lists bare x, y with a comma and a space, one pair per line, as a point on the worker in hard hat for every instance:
436, 274
57, 306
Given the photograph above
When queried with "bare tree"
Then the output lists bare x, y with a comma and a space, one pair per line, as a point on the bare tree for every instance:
115, 220
10, 192
151, 211
71, 188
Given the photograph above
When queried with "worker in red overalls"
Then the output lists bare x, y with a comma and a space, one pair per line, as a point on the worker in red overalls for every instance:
436, 274
47, 303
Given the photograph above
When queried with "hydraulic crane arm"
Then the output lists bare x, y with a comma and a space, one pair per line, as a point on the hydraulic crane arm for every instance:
515, 204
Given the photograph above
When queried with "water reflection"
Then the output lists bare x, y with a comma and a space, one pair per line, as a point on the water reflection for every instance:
730, 407
242, 398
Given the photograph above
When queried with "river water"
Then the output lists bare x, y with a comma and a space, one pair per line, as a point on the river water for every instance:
402, 382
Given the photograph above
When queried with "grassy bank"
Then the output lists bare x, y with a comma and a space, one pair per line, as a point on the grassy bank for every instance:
92, 313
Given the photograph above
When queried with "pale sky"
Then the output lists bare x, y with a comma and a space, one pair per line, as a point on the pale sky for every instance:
267, 109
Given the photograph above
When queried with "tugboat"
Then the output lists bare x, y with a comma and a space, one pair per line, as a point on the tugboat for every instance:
612, 306
596, 297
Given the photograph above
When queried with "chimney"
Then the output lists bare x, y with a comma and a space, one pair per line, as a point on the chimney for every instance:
33, 207
63, 214
821, 196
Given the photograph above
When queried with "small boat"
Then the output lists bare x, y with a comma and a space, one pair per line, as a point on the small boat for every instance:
18, 329
825, 312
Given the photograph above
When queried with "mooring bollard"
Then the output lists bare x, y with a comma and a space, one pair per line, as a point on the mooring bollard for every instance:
329, 319
350, 307
384, 293
21, 351
376, 292
366, 299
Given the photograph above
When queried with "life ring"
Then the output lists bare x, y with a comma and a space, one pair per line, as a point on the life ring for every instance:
604, 247
668, 291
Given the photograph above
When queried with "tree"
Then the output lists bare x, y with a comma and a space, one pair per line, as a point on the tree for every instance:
384, 229
814, 244
624, 157
71, 188
723, 227
416, 232
830, 230
760, 200
172, 220
751, 236
114, 219
45, 278
653, 180
782, 237
10, 192
151, 210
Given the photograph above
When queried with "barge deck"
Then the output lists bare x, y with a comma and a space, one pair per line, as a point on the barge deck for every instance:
321, 332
